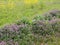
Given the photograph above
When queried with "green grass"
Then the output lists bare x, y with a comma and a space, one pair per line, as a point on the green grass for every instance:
8, 15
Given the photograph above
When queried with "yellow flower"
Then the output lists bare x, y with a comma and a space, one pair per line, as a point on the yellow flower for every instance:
30, 1
2, 5
10, 5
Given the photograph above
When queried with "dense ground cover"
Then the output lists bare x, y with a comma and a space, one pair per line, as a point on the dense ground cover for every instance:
28, 22
43, 30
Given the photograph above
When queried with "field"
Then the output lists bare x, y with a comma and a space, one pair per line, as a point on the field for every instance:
29, 22
13, 10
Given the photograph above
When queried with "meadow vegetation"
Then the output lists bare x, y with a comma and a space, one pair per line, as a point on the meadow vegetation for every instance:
29, 22
13, 10
43, 30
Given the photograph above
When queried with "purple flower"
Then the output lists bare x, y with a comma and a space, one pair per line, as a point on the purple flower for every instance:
3, 43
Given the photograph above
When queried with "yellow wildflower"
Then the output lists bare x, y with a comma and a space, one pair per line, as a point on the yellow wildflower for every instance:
30, 1
11, 5
2, 5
